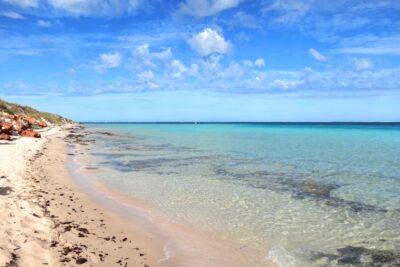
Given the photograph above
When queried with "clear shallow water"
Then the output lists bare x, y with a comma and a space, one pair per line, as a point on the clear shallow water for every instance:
305, 194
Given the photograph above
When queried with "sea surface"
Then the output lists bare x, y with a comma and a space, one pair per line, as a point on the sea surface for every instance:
304, 194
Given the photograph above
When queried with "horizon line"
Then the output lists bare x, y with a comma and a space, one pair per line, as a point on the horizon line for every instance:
238, 122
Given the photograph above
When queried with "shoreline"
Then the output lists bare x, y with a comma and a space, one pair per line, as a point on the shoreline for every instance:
62, 223
183, 245
50, 221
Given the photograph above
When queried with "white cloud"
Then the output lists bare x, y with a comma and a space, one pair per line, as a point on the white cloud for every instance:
208, 42
385, 44
145, 76
76, 7
163, 55
177, 69
71, 70
289, 11
95, 7
144, 58
108, 61
11, 15
260, 78
362, 64
247, 63
43, 23
205, 8
383, 50
112, 60
316, 55
259, 62
23, 3
308, 69
286, 84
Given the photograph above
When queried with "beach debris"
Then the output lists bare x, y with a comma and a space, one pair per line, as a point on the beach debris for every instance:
81, 260
5, 190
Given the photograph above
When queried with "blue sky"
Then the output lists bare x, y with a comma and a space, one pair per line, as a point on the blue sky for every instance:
203, 60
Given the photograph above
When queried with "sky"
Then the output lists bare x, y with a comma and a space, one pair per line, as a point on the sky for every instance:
203, 60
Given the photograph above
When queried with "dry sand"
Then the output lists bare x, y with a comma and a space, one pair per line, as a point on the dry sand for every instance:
47, 221
50, 219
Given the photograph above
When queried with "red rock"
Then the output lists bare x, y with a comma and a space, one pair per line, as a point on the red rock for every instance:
14, 117
30, 133
4, 136
18, 126
6, 127
30, 120
42, 124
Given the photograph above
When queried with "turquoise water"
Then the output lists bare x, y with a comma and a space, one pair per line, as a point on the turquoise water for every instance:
306, 194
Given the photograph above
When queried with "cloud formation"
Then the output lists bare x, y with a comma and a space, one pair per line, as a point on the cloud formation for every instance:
209, 41
259, 62
362, 52
372, 44
95, 7
316, 55
11, 15
205, 8
143, 58
361, 64
23, 3
108, 61
44, 23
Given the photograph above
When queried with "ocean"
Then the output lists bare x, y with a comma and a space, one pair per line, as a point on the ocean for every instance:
304, 194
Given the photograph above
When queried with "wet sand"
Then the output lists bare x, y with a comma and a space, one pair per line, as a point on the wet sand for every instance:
183, 245
55, 218
48, 221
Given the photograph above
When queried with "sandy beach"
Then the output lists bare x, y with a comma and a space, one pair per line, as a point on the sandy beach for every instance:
48, 221
53, 219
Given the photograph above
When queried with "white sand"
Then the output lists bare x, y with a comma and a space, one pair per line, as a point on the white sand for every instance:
22, 233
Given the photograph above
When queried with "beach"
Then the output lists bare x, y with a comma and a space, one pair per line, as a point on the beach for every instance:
47, 220
147, 195
55, 218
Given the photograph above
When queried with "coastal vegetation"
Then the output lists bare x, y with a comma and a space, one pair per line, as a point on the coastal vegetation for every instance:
17, 120
7, 108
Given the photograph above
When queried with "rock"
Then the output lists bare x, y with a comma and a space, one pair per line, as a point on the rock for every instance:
6, 127
4, 136
14, 117
29, 120
30, 133
19, 126
42, 124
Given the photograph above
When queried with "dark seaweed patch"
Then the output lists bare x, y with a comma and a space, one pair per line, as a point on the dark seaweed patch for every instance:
298, 185
106, 133
5, 190
110, 155
138, 165
360, 257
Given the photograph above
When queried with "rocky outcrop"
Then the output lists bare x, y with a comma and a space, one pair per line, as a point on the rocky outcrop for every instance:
12, 126
30, 133
7, 108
